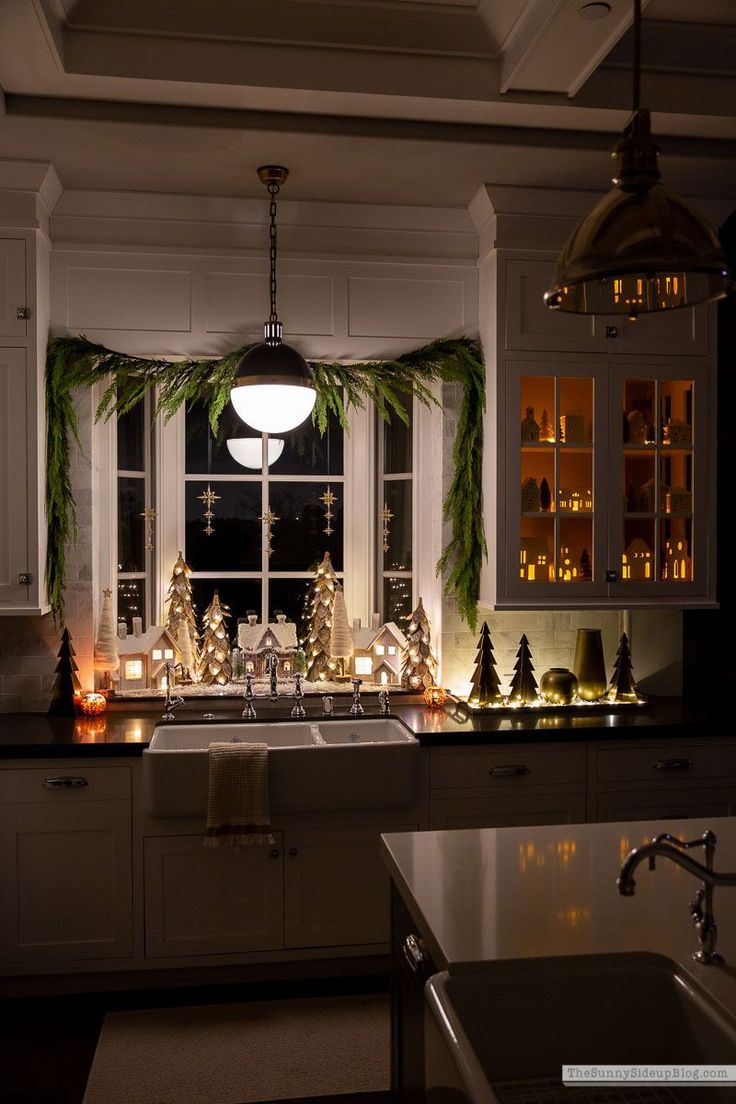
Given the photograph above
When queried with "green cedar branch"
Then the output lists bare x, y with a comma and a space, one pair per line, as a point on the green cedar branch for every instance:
75, 363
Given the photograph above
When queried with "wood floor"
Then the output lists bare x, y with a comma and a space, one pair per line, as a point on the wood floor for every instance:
47, 1043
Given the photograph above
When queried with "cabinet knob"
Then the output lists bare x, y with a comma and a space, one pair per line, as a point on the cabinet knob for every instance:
611, 331
414, 956
22, 313
25, 578
275, 853
612, 576
293, 852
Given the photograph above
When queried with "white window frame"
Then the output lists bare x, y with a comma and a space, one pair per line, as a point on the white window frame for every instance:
360, 521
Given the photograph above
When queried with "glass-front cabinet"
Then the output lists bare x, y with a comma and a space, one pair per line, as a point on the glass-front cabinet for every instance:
607, 496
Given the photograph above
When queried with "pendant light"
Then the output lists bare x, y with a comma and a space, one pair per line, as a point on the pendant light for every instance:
274, 386
248, 451
642, 248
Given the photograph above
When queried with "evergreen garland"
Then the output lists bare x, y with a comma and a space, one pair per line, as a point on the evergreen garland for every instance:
74, 362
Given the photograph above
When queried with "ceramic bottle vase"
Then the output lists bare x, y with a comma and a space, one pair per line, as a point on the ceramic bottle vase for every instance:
589, 665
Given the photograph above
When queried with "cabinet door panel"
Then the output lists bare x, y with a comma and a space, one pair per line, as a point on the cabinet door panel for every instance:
663, 804
212, 900
519, 810
12, 287
337, 888
13, 477
66, 883
531, 325
668, 333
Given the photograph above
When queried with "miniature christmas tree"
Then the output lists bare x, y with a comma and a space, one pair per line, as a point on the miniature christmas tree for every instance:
320, 664
586, 571
182, 618
545, 429
341, 641
419, 667
523, 685
214, 658
545, 495
66, 685
106, 646
485, 677
623, 688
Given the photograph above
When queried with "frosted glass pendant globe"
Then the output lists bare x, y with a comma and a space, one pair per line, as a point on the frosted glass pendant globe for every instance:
248, 451
273, 407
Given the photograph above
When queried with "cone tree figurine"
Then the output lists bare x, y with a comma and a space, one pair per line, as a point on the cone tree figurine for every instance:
419, 668
486, 682
320, 664
341, 641
182, 618
214, 657
623, 688
107, 661
66, 685
523, 684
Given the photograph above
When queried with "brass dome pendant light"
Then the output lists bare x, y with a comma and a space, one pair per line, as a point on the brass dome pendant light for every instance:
274, 388
642, 248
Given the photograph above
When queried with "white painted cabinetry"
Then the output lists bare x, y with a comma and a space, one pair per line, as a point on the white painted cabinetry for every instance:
599, 463
23, 333
65, 854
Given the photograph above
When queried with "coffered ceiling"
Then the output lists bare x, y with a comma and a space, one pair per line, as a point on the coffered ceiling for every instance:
390, 101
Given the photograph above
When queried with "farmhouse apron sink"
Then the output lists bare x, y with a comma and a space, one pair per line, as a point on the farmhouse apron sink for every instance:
361, 764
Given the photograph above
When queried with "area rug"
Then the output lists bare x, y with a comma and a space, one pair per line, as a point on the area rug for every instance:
243, 1053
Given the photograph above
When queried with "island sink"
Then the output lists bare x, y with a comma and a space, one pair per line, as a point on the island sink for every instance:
500, 1032
344, 764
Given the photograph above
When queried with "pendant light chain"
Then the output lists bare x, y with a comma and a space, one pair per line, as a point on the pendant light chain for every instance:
273, 191
637, 53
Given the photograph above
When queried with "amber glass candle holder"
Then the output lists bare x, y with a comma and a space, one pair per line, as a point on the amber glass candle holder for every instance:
91, 704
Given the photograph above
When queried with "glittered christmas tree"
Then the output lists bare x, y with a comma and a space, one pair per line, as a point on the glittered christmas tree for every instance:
622, 687
523, 684
181, 619
214, 657
341, 641
320, 664
545, 496
107, 660
486, 682
545, 429
419, 668
66, 684
586, 572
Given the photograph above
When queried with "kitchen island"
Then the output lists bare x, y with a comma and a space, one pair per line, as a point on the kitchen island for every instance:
504, 895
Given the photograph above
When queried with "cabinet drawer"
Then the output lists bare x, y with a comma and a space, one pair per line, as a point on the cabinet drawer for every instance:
674, 763
519, 810
67, 782
510, 765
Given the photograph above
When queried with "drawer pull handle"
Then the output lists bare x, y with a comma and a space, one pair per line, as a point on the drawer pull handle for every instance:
65, 782
506, 771
674, 764
413, 954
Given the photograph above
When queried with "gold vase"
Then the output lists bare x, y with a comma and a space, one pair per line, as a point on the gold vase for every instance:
589, 665
558, 685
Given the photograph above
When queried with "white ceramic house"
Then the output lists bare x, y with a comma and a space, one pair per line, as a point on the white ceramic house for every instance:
378, 653
143, 658
257, 640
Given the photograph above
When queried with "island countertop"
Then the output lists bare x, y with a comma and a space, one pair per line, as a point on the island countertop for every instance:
126, 727
482, 895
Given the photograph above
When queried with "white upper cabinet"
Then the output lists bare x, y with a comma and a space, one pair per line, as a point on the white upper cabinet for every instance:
599, 466
23, 263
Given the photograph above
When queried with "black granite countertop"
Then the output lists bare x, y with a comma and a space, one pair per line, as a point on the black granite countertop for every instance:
126, 728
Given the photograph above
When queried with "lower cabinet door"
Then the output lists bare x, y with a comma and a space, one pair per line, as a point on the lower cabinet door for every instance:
509, 810
337, 887
212, 900
664, 804
66, 888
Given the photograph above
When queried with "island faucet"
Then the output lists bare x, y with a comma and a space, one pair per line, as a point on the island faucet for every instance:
170, 703
701, 907
272, 666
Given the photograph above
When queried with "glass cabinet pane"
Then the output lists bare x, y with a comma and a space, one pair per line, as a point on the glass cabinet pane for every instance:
557, 470
658, 458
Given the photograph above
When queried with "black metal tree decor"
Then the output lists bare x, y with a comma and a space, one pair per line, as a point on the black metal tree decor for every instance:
67, 686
